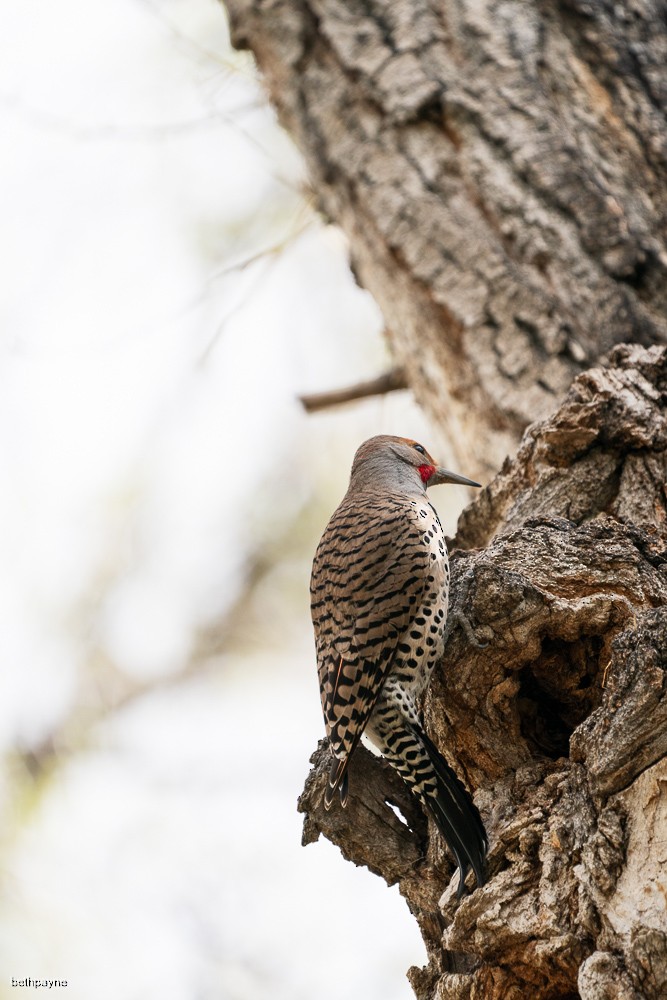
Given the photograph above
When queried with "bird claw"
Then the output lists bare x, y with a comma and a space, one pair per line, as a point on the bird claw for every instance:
461, 619
458, 617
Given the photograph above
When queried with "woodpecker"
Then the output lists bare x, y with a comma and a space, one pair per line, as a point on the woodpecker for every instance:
379, 595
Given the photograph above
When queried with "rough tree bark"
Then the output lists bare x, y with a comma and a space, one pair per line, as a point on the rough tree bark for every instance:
500, 169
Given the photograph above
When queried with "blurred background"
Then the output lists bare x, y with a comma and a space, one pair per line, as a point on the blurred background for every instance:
167, 292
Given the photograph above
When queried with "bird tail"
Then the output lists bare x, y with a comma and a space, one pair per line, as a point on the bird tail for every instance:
432, 780
338, 779
455, 814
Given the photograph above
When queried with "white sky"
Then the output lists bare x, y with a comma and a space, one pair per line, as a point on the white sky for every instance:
150, 444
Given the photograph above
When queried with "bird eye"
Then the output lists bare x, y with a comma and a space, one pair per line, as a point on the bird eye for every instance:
420, 449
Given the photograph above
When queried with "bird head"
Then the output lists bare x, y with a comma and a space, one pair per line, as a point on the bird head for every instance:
401, 461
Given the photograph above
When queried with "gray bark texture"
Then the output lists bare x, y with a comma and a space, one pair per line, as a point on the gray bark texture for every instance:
500, 169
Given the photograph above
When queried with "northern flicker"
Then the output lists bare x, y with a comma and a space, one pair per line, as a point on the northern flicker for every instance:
379, 593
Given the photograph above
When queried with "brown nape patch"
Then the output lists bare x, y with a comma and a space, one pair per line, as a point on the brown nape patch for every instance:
558, 691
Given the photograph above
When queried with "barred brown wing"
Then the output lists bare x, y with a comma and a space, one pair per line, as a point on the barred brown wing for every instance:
369, 576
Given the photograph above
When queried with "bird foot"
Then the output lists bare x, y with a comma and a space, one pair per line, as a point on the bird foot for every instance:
461, 619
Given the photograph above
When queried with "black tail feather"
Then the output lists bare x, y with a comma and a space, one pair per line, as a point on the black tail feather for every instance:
457, 817
338, 779
452, 808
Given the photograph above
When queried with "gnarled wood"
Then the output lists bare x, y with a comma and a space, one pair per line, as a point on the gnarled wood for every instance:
560, 721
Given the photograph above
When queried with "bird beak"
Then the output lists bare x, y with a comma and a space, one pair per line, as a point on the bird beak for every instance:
443, 476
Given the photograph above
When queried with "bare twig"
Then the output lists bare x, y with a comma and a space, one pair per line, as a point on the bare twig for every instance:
390, 381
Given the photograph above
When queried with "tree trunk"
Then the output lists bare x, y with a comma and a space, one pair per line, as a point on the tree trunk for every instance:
500, 169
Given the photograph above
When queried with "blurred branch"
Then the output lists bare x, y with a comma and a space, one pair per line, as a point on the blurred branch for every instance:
43, 119
393, 379
264, 258
187, 41
300, 226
